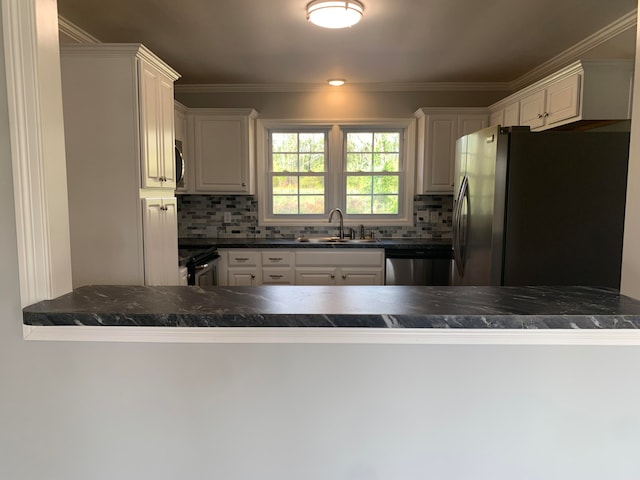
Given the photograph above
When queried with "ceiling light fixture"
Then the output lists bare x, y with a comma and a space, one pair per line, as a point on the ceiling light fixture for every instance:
334, 14
336, 82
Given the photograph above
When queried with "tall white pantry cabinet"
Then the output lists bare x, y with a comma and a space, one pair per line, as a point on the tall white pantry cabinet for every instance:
119, 134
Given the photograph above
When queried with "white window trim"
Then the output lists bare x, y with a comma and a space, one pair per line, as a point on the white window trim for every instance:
334, 190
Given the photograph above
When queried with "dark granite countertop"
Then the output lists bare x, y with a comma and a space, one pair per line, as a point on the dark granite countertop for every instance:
345, 306
386, 243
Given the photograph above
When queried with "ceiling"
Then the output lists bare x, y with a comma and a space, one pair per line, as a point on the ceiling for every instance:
232, 42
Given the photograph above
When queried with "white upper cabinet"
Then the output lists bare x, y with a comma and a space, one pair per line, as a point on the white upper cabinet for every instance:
223, 149
156, 127
509, 116
583, 91
438, 130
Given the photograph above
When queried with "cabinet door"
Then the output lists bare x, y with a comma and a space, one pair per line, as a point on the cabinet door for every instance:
316, 276
512, 115
160, 232
222, 154
156, 128
242, 277
563, 100
532, 110
361, 276
497, 118
439, 159
468, 124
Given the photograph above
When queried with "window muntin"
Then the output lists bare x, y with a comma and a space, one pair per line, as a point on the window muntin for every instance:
298, 171
372, 172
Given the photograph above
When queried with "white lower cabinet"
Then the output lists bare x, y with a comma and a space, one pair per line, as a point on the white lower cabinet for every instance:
251, 267
242, 277
338, 276
340, 267
159, 224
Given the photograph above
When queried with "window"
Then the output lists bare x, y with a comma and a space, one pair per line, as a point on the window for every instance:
298, 170
372, 173
366, 169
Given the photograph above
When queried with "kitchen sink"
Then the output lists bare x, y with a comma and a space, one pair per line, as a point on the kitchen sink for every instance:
335, 240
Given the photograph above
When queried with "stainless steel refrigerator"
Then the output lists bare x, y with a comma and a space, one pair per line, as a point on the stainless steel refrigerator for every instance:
541, 208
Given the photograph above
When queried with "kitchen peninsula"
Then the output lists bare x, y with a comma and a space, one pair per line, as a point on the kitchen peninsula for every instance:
553, 315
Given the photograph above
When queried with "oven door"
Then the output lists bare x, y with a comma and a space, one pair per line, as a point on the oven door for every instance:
205, 274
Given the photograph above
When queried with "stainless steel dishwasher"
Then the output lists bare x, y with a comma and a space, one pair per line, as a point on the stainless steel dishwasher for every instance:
417, 267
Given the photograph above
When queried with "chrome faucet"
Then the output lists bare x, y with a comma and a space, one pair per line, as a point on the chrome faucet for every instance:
333, 210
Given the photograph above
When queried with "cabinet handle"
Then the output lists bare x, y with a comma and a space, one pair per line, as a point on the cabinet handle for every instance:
253, 276
275, 259
333, 276
344, 277
546, 114
539, 115
275, 276
244, 184
241, 259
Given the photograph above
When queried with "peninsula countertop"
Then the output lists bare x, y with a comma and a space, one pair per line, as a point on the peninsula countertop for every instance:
362, 307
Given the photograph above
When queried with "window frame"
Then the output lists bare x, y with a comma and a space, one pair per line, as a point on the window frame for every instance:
336, 169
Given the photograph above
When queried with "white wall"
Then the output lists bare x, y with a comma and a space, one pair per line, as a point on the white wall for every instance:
82, 411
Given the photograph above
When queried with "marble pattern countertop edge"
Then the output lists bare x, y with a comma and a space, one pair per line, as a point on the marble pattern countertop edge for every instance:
379, 307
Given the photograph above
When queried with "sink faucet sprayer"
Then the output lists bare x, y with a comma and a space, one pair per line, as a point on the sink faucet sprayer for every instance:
333, 210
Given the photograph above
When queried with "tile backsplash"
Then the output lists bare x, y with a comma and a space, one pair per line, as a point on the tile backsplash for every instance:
203, 216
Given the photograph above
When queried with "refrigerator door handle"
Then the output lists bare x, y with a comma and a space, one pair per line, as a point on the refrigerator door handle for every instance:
455, 225
460, 230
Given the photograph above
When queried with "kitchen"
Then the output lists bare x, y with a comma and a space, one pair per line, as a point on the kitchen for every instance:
311, 370
203, 216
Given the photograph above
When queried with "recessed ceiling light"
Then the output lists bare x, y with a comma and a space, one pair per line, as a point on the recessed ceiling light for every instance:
334, 14
336, 82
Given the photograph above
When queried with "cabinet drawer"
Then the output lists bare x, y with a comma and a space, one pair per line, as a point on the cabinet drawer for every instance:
277, 276
276, 257
371, 257
243, 258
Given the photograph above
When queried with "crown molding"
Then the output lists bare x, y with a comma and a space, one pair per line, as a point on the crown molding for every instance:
74, 32
354, 87
574, 53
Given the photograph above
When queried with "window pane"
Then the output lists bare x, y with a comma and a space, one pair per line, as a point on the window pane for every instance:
386, 142
285, 204
359, 185
385, 184
285, 185
385, 204
358, 162
386, 162
284, 142
312, 142
285, 162
310, 185
312, 162
359, 142
358, 204
312, 204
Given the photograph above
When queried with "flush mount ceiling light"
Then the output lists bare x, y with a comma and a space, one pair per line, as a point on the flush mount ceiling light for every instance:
336, 82
334, 14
